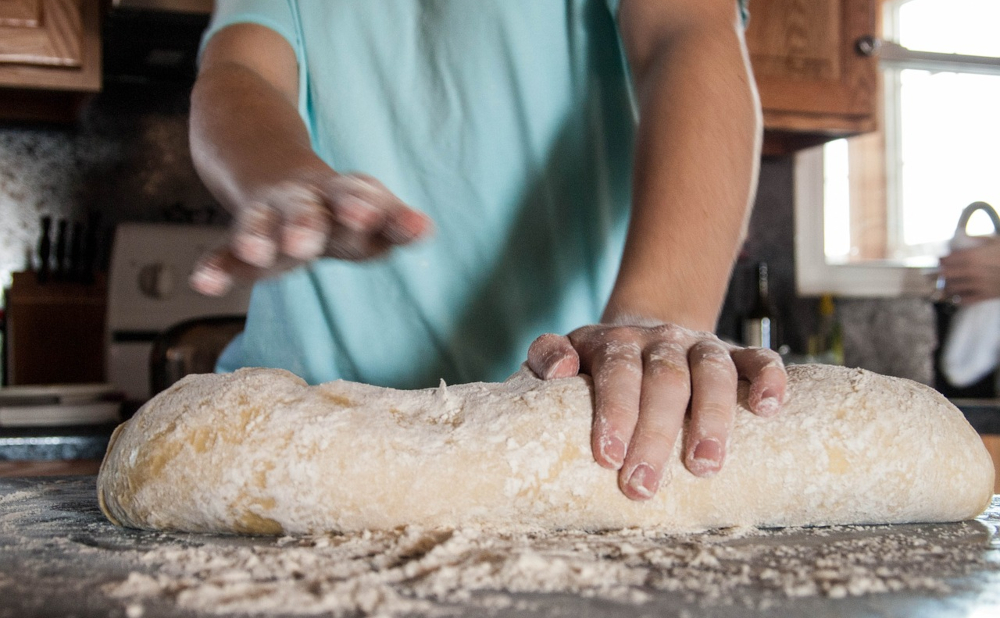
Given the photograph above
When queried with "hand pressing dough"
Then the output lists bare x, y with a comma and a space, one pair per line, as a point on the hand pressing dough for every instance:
258, 451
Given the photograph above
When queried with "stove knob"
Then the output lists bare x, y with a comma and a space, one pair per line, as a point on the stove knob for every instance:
157, 281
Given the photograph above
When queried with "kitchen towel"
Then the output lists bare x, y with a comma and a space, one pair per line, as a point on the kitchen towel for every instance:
972, 346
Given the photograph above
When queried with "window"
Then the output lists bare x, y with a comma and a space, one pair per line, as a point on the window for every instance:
891, 200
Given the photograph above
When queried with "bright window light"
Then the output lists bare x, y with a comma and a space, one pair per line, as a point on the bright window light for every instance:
942, 135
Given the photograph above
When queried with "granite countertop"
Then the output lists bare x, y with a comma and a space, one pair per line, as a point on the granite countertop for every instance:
983, 414
60, 557
55, 443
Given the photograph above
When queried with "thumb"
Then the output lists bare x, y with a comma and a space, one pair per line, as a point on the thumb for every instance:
553, 356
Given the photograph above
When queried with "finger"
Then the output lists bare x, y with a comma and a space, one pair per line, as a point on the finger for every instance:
364, 205
964, 287
209, 277
666, 390
400, 224
305, 227
216, 272
355, 203
713, 404
405, 225
348, 244
553, 356
971, 298
253, 239
765, 371
616, 368
220, 269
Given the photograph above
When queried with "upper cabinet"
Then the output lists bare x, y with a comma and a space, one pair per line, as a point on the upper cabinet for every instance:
50, 56
815, 68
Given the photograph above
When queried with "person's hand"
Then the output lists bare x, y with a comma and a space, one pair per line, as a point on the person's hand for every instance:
289, 221
645, 378
973, 275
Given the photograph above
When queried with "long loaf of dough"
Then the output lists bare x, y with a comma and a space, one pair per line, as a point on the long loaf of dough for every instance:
258, 451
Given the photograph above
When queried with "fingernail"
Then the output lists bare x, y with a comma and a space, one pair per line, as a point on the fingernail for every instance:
768, 404
643, 481
303, 242
613, 450
255, 249
708, 450
210, 281
560, 365
706, 458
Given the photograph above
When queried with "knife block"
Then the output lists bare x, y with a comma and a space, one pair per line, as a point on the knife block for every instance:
55, 331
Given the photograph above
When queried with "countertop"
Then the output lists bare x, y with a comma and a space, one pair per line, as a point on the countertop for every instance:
55, 443
60, 557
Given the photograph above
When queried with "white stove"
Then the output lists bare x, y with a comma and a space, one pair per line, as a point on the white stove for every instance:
148, 293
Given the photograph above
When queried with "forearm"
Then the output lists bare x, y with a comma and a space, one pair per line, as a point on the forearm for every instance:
242, 129
696, 163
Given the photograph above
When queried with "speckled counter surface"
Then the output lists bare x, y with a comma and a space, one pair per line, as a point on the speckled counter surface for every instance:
54, 443
60, 557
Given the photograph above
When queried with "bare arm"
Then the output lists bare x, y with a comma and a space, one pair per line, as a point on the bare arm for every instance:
252, 150
696, 159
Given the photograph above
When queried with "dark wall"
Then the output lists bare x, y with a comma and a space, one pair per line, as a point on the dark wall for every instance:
891, 336
127, 159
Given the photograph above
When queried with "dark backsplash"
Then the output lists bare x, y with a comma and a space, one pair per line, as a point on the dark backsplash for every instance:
127, 158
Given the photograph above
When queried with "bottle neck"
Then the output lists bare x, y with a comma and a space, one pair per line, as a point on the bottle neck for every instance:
762, 287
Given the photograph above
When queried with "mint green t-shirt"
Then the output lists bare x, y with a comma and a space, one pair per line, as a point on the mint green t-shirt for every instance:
510, 123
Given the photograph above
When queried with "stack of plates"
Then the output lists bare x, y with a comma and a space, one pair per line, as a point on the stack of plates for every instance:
59, 404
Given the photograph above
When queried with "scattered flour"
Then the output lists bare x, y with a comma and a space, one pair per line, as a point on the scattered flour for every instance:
444, 572
54, 542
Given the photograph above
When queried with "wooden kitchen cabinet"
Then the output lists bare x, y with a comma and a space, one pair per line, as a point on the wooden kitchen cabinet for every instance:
50, 57
814, 66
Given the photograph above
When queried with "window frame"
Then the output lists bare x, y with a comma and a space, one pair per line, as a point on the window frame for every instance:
873, 278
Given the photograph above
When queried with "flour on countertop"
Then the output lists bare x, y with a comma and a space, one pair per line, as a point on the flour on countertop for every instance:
433, 572
51, 543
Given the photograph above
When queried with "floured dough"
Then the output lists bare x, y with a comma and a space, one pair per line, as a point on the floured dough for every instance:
259, 451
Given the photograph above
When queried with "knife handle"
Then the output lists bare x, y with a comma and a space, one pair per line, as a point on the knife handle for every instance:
44, 250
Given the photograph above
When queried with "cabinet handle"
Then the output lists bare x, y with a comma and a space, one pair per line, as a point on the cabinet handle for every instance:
867, 45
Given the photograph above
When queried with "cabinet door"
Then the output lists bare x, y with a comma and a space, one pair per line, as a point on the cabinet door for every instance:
50, 44
812, 77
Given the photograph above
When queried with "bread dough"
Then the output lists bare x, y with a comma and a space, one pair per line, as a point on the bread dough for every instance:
258, 451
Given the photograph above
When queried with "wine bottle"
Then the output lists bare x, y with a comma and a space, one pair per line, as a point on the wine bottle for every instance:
759, 324
831, 343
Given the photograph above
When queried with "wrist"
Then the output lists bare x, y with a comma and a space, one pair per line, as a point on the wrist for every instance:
648, 312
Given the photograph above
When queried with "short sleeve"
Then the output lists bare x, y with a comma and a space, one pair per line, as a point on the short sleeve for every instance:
276, 15
282, 16
744, 10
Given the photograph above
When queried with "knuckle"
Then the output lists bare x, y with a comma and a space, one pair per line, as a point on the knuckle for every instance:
710, 351
546, 339
712, 414
666, 349
666, 359
669, 332
654, 441
618, 351
714, 360
611, 369
668, 369
616, 414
